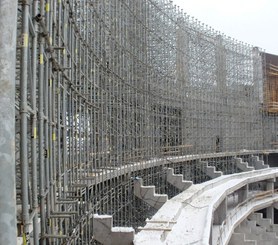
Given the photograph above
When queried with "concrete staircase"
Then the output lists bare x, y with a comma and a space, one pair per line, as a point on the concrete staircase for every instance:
239, 239
243, 166
211, 171
148, 195
257, 163
105, 233
255, 230
177, 180
267, 224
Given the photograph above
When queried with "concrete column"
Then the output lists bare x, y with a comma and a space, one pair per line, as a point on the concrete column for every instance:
8, 16
242, 193
220, 213
211, 233
270, 210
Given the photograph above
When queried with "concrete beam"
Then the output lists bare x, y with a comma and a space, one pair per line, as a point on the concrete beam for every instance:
148, 195
177, 180
8, 17
105, 233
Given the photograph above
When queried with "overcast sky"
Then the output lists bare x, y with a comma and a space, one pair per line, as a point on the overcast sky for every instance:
252, 21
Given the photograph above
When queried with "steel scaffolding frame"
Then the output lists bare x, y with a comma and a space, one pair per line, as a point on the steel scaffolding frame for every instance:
101, 85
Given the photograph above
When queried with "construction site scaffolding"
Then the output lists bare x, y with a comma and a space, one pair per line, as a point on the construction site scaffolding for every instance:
102, 85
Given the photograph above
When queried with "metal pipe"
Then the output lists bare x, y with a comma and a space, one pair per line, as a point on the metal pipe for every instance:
56, 236
8, 15
23, 118
34, 126
42, 152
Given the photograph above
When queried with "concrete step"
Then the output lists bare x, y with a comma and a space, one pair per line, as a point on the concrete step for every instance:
268, 237
255, 216
240, 239
253, 236
246, 226
244, 229
260, 221
260, 234
271, 236
254, 229
211, 171
105, 233
266, 242
148, 195
243, 166
177, 180
257, 163
273, 228
258, 229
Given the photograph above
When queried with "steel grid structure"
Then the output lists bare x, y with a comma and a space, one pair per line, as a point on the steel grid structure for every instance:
101, 85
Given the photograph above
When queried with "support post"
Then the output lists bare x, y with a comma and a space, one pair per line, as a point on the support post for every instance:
220, 213
270, 210
242, 193
8, 16
24, 118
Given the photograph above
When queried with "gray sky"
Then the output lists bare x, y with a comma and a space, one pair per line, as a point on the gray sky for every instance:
252, 21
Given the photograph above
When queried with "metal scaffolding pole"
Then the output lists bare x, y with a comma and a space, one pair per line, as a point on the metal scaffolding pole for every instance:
8, 13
